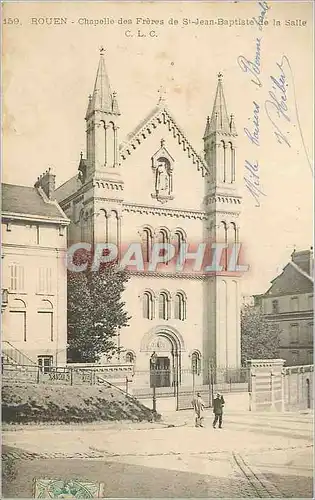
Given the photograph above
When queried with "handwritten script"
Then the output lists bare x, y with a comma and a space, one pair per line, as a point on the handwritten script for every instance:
252, 67
277, 106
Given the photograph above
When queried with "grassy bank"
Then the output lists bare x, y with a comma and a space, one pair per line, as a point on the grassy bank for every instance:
27, 403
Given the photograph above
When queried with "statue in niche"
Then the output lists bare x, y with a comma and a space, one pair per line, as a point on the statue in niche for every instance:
163, 177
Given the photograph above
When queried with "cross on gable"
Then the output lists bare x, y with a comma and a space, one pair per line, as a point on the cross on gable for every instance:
162, 94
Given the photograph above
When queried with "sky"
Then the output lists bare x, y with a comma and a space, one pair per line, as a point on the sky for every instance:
49, 71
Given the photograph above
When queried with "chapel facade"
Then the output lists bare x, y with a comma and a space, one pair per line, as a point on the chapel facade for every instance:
155, 187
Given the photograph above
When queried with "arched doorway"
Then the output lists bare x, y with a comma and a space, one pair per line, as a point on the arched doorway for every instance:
166, 345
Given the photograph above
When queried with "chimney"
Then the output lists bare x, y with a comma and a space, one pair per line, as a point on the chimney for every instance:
304, 259
47, 182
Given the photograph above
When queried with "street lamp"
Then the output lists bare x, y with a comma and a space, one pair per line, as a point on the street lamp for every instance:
153, 365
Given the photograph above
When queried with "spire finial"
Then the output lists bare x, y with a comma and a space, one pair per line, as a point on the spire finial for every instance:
102, 50
162, 94
220, 76
162, 142
81, 155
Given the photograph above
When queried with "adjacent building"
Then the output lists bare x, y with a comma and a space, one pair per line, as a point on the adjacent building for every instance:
34, 277
289, 304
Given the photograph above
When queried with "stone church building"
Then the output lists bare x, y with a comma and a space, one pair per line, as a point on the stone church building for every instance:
154, 187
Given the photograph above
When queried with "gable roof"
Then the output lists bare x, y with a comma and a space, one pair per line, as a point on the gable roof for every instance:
68, 188
161, 115
292, 280
25, 200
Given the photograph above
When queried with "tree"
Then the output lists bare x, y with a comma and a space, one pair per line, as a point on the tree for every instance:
96, 312
259, 337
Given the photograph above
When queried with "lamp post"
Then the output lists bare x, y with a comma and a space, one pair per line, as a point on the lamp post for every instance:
153, 365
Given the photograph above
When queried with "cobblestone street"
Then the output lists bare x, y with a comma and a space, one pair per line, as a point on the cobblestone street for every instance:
255, 455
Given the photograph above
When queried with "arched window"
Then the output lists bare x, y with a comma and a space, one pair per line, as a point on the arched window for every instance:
148, 305
163, 238
223, 238
113, 228
196, 362
147, 244
130, 357
179, 241
164, 306
180, 306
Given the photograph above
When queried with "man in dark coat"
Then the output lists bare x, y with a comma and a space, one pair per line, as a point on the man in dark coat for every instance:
218, 404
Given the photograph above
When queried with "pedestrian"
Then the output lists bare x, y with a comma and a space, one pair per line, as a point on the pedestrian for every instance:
198, 406
218, 404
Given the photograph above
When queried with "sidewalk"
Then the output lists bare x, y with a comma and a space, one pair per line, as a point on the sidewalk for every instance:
266, 455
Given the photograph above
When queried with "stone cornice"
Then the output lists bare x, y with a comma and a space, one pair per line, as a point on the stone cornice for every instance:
170, 212
164, 275
290, 315
223, 198
114, 200
29, 218
159, 116
110, 185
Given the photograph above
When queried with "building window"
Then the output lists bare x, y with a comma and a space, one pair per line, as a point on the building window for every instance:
164, 306
45, 363
148, 305
16, 278
130, 357
294, 333
310, 333
275, 306
294, 303
180, 306
147, 244
18, 321
309, 357
45, 321
196, 363
295, 357
44, 284
164, 240
179, 242
310, 302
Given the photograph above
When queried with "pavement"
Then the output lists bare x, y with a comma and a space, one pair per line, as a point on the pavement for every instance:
266, 455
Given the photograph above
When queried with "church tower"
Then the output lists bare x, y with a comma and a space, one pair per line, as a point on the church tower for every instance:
223, 207
99, 172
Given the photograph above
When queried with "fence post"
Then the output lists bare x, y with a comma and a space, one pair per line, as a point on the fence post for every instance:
38, 375
272, 389
253, 390
71, 376
282, 390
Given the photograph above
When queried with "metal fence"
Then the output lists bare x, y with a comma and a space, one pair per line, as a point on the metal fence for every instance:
60, 375
185, 383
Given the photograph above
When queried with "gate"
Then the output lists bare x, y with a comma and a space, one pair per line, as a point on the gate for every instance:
223, 380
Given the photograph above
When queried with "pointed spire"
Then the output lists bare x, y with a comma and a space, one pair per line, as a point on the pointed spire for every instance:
102, 99
219, 118
207, 131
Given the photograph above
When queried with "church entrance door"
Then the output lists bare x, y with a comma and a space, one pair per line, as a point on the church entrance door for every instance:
160, 374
